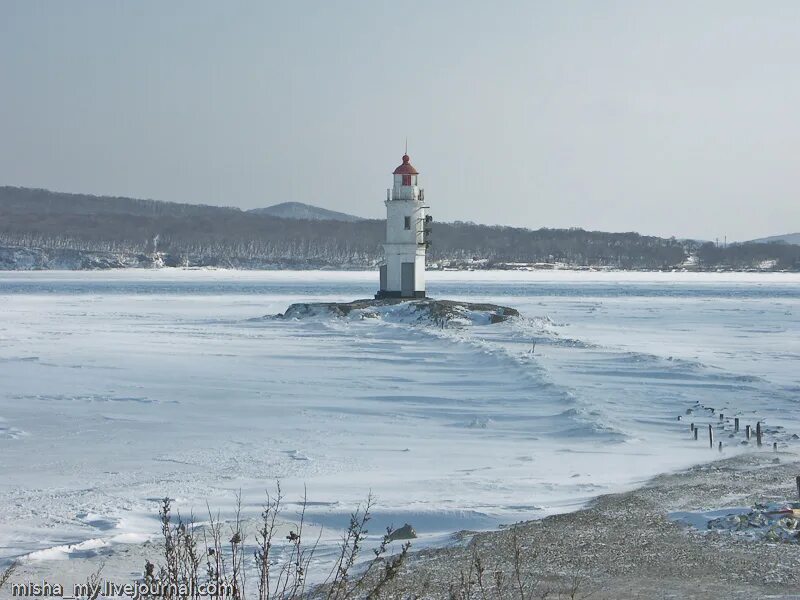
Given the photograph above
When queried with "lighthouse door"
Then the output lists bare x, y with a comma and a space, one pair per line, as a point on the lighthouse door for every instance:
384, 279
407, 279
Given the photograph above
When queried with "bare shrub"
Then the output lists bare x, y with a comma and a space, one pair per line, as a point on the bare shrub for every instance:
6, 575
223, 554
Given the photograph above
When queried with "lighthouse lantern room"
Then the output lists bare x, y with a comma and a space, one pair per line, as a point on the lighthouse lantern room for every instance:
407, 229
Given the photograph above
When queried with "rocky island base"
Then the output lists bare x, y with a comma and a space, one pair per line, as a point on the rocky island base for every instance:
425, 310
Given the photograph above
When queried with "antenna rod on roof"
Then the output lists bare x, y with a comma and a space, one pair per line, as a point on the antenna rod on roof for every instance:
406, 152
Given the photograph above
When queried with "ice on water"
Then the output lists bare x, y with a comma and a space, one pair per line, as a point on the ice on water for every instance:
120, 388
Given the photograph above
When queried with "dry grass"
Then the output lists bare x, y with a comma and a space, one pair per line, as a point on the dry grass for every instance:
213, 558
517, 579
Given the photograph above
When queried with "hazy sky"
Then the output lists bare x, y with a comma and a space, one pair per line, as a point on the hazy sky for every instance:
668, 118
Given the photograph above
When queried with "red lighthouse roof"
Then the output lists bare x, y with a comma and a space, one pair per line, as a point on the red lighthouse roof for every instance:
406, 168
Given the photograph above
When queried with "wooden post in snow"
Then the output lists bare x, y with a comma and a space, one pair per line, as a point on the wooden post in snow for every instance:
774, 446
695, 432
798, 485
736, 425
710, 436
758, 434
720, 446
721, 417
747, 431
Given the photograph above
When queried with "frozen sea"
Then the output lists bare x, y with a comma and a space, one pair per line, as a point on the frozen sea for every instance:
120, 388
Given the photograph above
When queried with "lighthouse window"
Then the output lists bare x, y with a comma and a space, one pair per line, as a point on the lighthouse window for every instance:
406, 179
407, 222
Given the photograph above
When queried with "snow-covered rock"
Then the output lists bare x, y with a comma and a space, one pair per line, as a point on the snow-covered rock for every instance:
426, 310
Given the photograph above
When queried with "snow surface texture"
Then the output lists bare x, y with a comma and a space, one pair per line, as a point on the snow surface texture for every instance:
118, 388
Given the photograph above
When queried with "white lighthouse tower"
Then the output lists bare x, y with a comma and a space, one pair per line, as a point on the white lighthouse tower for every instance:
403, 272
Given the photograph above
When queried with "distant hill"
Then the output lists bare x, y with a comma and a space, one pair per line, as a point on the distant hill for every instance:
40, 229
298, 210
789, 238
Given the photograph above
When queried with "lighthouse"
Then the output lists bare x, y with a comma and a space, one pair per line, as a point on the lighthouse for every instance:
407, 228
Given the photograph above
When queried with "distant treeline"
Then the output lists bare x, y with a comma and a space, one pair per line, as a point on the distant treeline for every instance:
200, 235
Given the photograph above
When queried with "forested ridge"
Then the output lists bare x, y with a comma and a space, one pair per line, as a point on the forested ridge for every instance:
43, 229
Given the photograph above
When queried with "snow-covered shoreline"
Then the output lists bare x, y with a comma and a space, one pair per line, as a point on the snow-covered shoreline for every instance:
618, 546
628, 546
